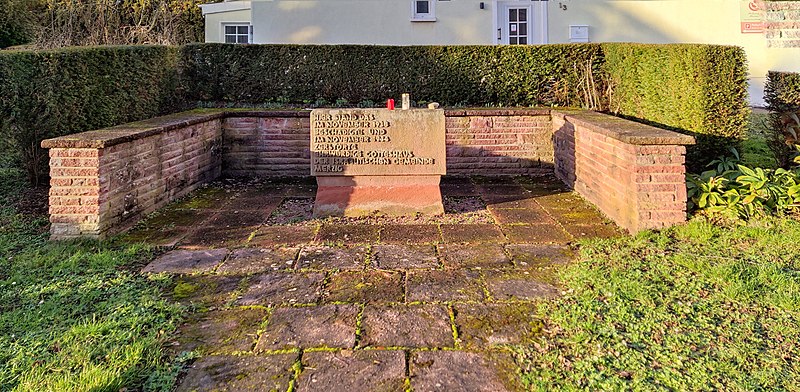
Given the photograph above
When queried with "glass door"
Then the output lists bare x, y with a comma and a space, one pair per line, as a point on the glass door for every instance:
518, 25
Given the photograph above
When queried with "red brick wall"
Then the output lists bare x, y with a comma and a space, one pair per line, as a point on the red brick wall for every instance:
485, 142
639, 186
103, 182
266, 146
494, 144
103, 190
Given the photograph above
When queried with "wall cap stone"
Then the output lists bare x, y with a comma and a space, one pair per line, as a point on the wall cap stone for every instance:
626, 131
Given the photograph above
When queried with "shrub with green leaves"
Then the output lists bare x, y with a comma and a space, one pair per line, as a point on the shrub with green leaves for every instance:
452, 75
782, 94
695, 89
698, 89
732, 189
50, 93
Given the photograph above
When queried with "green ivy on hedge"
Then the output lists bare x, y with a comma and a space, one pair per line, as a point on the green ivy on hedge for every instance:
45, 94
782, 94
695, 89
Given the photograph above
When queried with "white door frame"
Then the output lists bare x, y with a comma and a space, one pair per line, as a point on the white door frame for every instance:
538, 26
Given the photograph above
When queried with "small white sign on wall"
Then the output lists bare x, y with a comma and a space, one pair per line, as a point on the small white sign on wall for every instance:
578, 33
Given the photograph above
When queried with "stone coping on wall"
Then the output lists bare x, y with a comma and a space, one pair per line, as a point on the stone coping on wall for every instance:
107, 137
626, 131
621, 129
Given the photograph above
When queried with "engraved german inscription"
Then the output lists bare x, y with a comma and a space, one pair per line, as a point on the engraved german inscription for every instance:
377, 142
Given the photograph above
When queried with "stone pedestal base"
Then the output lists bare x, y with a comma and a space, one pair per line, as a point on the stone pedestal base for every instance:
388, 195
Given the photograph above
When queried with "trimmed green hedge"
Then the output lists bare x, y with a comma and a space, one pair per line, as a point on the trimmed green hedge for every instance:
782, 94
699, 89
45, 94
695, 89
451, 75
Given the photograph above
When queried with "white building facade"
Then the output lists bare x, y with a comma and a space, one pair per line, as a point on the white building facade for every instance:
771, 36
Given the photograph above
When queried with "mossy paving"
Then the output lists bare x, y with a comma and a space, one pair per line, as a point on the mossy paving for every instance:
465, 302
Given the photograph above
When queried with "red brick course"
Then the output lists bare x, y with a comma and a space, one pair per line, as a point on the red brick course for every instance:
639, 186
103, 182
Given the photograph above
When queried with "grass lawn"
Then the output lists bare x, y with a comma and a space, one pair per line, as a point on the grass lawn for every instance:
695, 307
76, 316
704, 306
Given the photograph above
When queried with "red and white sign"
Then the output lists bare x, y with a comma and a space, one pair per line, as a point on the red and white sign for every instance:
752, 15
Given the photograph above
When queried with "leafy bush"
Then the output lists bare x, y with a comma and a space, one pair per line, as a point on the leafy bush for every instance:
451, 75
730, 188
782, 94
700, 90
695, 89
52, 93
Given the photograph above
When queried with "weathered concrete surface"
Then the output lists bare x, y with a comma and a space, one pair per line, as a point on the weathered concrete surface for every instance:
414, 326
354, 371
326, 326
240, 373
187, 261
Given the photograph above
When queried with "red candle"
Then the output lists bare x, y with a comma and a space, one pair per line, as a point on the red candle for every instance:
390, 104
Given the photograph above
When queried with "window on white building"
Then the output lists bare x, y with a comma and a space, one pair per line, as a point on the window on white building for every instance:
423, 10
238, 33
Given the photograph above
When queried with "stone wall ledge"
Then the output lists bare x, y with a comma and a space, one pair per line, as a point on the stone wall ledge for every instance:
107, 137
626, 131
469, 112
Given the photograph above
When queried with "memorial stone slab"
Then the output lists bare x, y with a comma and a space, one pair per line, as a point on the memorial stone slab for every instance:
368, 160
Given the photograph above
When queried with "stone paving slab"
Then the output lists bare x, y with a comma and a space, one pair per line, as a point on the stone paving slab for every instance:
537, 256
504, 189
463, 189
238, 219
217, 237
483, 326
207, 198
187, 261
594, 231
365, 287
353, 371
269, 236
247, 261
166, 237
221, 331
417, 326
410, 234
257, 200
471, 233
459, 371
509, 202
328, 326
179, 217
475, 256
517, 286
537, 234
284, 288
584, 215
405, 256
240, 373
329, 258
444, 286
567, 201
351, 234
521, 215
211, 291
